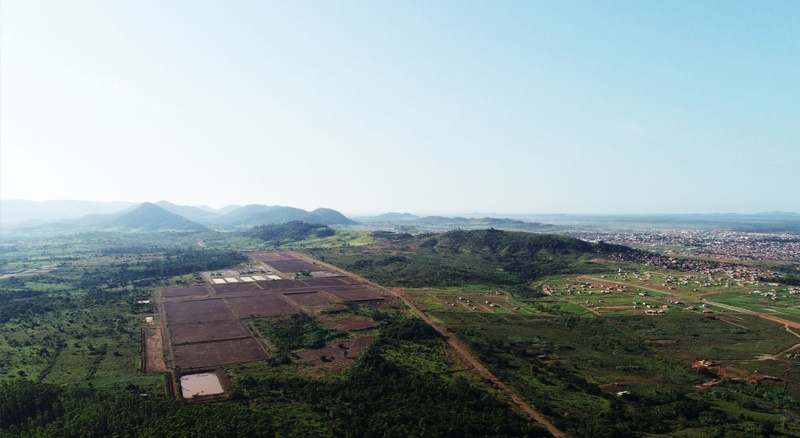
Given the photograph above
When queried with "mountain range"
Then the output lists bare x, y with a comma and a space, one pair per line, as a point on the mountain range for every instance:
63, 216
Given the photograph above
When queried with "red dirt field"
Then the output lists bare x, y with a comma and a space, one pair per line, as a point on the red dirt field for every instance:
211, 331
325, 282
185, 291
199, 311
283, 285
309, 298
293, 266
211, 354
355, 323
261, 306
357, 346
230, 288
274, 257
349, 280
356, 294
336, 358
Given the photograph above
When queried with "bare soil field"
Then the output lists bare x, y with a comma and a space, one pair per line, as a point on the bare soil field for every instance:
212, 354
199, 290
357, 346
349, 280
325, 282
283, 285
206, 332
198, 311
154, 351
309, 298
261, 306
293, 266
355, 294
354, 323
274, 257
230, 288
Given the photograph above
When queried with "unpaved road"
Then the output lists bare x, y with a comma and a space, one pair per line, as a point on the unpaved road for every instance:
457, 345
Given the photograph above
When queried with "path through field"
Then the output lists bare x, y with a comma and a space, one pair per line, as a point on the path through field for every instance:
456, 344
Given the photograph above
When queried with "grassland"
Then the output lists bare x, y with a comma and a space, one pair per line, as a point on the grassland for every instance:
71, 355
689, 354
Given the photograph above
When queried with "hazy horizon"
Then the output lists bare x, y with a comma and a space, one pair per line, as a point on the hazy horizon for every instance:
421, 107
464, 213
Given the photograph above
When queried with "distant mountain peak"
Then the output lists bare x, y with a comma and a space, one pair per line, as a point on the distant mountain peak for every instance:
150, 217
257, 214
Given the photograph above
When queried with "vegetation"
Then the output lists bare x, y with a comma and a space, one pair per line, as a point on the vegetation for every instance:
277, 235
377, 397
71, 331
387, 397
513, 260
295, 332
568, 353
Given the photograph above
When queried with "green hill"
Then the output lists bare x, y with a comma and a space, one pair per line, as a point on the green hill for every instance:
195, 214
278, 234
149, 218
478, 257
255, 214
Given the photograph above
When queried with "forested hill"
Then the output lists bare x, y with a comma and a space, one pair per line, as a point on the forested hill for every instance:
480, 257
506, 244
278, 234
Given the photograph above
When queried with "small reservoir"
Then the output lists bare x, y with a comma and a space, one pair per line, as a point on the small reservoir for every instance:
200, 384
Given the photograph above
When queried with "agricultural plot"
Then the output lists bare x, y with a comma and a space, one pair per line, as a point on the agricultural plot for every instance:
779, 303
326, 282
213, 354
274, 257
236, 288
309, 298
261, 306
185, 291
295, 265
197, 311
355, 294
206, 332
282, 285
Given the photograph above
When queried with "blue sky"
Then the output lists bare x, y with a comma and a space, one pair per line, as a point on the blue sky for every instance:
426, 107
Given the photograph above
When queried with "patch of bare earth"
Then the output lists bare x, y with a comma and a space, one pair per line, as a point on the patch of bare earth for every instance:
354, 323
333, 357
154, 351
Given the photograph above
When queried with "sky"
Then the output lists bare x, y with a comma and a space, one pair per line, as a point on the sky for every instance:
602, 107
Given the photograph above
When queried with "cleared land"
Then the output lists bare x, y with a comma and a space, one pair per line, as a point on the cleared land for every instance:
199, 290
197, 311
211, 331
261, 306
282, 285
274, 257
293, 266
356, 294
236, 288
211, 354
309, 298
325, 282
354, 323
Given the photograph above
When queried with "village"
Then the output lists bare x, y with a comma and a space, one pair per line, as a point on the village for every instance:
717, 244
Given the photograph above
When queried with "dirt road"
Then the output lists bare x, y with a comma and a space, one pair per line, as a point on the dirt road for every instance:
456, 344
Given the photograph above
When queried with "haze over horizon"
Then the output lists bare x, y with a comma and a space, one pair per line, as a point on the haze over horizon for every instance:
515, 108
